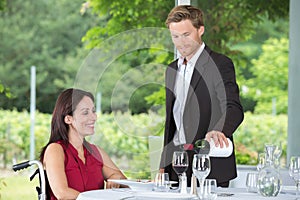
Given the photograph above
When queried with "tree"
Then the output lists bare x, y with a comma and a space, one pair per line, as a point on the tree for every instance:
269, 86
228, 23
252, 49
49, 39
2, 4
55, 46
2, 88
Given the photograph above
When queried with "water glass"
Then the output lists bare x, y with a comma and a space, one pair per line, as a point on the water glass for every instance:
201, 169
251, 181
161, 182
209, 190
294, 171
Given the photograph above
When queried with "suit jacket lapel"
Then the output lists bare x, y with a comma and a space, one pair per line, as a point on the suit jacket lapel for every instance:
173, 74
170, 81
198, 71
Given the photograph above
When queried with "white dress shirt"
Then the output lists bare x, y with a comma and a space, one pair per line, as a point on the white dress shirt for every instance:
183, 79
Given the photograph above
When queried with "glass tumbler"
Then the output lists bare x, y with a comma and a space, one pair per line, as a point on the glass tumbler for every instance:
251, 182
161, 182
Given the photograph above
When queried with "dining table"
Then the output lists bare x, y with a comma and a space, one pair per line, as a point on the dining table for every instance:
222, 194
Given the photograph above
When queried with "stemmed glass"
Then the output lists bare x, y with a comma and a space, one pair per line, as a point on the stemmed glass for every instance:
278, 150
294, 171
201, 169
277, 154
180, 164
261, 161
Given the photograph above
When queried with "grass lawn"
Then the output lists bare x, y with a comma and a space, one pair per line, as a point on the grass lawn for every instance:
18, 186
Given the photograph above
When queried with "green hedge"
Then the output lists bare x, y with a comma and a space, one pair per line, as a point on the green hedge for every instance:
125, 137
255, 131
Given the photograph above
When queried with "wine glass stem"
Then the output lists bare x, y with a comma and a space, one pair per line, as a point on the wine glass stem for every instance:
297, 189
180, 183
201, 182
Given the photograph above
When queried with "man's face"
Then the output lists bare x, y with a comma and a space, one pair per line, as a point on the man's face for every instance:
186, 37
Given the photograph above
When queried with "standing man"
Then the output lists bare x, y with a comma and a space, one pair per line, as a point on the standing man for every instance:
202, 96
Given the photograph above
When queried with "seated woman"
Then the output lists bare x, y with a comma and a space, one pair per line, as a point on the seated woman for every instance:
72, 164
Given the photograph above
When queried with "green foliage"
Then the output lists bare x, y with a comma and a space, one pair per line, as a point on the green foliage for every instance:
2, 4
128, 78
55, 46
4, 90
227, 21
252, 49
123, 15
158, 97
34, 34
138, 104
270, 77
228, 24
18, 186
15, 133
255, 131
125, 137
2, 184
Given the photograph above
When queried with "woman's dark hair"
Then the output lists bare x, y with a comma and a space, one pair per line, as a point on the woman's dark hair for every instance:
66, 104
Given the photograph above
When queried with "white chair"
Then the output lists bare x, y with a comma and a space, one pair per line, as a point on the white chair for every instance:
155, 149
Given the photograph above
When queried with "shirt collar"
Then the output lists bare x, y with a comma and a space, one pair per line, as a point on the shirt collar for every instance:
195, 57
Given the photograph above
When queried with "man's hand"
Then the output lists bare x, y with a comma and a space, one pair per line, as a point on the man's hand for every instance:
218, 137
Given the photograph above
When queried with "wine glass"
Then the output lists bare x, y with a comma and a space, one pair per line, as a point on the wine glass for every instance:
278, 150
294, 171
277, 154
180, 164
201, 169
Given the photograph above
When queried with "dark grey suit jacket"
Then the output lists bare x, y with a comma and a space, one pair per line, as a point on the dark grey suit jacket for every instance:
212, 103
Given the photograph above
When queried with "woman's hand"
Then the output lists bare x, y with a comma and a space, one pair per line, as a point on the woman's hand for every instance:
110, 185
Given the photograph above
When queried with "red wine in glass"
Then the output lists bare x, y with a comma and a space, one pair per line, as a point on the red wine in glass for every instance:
179, 169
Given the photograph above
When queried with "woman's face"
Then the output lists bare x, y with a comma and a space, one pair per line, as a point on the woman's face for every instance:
186, 37
84, 117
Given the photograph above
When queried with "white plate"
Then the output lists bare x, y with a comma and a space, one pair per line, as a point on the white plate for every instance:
143, 185
163, 196
173, 182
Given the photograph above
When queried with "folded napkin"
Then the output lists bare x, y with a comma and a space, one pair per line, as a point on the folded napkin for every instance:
218, 151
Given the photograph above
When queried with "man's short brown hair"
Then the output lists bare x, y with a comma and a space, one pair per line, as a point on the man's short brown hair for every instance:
186, 12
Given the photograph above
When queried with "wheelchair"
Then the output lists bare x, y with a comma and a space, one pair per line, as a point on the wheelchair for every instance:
41, 190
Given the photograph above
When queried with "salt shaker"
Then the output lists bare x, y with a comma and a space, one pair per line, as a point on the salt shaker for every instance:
183, 189
193, 185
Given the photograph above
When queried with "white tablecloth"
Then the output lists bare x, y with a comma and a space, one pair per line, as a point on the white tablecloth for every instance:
238, 194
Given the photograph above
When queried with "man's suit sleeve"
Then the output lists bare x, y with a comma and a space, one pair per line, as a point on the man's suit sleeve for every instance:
233, 114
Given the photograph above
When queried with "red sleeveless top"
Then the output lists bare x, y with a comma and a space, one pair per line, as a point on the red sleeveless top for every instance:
83, 176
